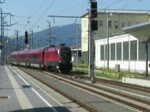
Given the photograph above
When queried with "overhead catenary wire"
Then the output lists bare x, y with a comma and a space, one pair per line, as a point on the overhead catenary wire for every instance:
45, 11
38, 9
114, 3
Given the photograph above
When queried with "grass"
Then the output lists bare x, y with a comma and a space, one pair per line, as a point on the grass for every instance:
102, 72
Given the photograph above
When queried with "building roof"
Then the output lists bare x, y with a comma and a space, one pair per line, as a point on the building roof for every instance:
141, 31
120, 11
124, 11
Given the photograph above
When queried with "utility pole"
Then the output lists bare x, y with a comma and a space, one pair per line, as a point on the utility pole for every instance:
31, 39
78, 29
50, 38
146, 53
108, 29
2, 39
2, 36
3, 24
2, 1
17, 40
108, 41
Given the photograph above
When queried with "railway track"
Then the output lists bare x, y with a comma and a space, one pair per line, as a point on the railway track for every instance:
73, 99
117, 83
126, 99
145, 109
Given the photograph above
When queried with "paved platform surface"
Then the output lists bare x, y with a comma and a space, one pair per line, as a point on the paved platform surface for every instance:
17, 94
137, 81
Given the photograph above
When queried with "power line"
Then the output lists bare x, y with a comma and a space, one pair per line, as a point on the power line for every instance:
114, 3
38, 9
46, 10
64, 16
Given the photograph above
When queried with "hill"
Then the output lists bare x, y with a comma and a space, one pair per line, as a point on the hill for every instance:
68, 34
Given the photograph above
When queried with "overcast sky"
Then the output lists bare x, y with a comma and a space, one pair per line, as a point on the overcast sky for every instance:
33, 14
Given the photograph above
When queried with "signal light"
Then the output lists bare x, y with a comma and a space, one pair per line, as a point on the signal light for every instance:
94, 25
26, 37
93, 9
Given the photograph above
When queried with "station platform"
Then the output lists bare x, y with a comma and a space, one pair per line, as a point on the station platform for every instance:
137, 81
19, 94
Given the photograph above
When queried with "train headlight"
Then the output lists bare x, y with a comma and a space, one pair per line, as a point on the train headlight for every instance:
58, 51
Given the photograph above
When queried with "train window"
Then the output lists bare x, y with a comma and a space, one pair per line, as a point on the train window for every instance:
22, 56
65, 54
34, 56
14, 57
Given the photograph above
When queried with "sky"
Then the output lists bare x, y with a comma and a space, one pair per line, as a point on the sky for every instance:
33, 14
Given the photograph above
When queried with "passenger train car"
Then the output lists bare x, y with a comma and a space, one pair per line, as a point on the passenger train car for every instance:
50, 58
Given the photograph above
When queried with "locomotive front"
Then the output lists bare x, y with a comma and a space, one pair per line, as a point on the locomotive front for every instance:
65, 64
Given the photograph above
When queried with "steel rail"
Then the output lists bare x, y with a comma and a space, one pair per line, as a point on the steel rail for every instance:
96, 92
108, 96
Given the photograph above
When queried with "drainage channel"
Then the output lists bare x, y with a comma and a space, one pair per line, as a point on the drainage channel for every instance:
4, 97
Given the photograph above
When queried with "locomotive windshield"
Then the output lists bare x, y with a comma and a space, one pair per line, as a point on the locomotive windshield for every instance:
65, 54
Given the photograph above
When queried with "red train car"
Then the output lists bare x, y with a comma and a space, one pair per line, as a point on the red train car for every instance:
51, 58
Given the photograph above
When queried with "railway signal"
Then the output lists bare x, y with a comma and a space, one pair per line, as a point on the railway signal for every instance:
93, 25
93, 14
26, 37
93, 9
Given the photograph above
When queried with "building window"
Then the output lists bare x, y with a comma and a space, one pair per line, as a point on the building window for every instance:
116, 24
123, 24
141, 51
137, 22
110, 24
113, 51
125, 50
133, 50
129, 23
106, 52
101, 23
118, 51
102, 52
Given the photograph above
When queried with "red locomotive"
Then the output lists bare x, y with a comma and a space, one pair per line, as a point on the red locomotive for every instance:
50, 58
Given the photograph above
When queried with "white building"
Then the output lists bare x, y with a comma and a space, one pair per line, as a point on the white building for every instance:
112, 20
125, 50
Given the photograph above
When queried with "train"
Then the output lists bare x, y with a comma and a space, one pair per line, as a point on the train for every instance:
56, 58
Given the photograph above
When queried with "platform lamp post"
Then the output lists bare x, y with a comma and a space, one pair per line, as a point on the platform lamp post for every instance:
146, 56
108, 28
78, 29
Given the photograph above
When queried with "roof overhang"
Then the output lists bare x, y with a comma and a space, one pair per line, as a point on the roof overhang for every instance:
140, 31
